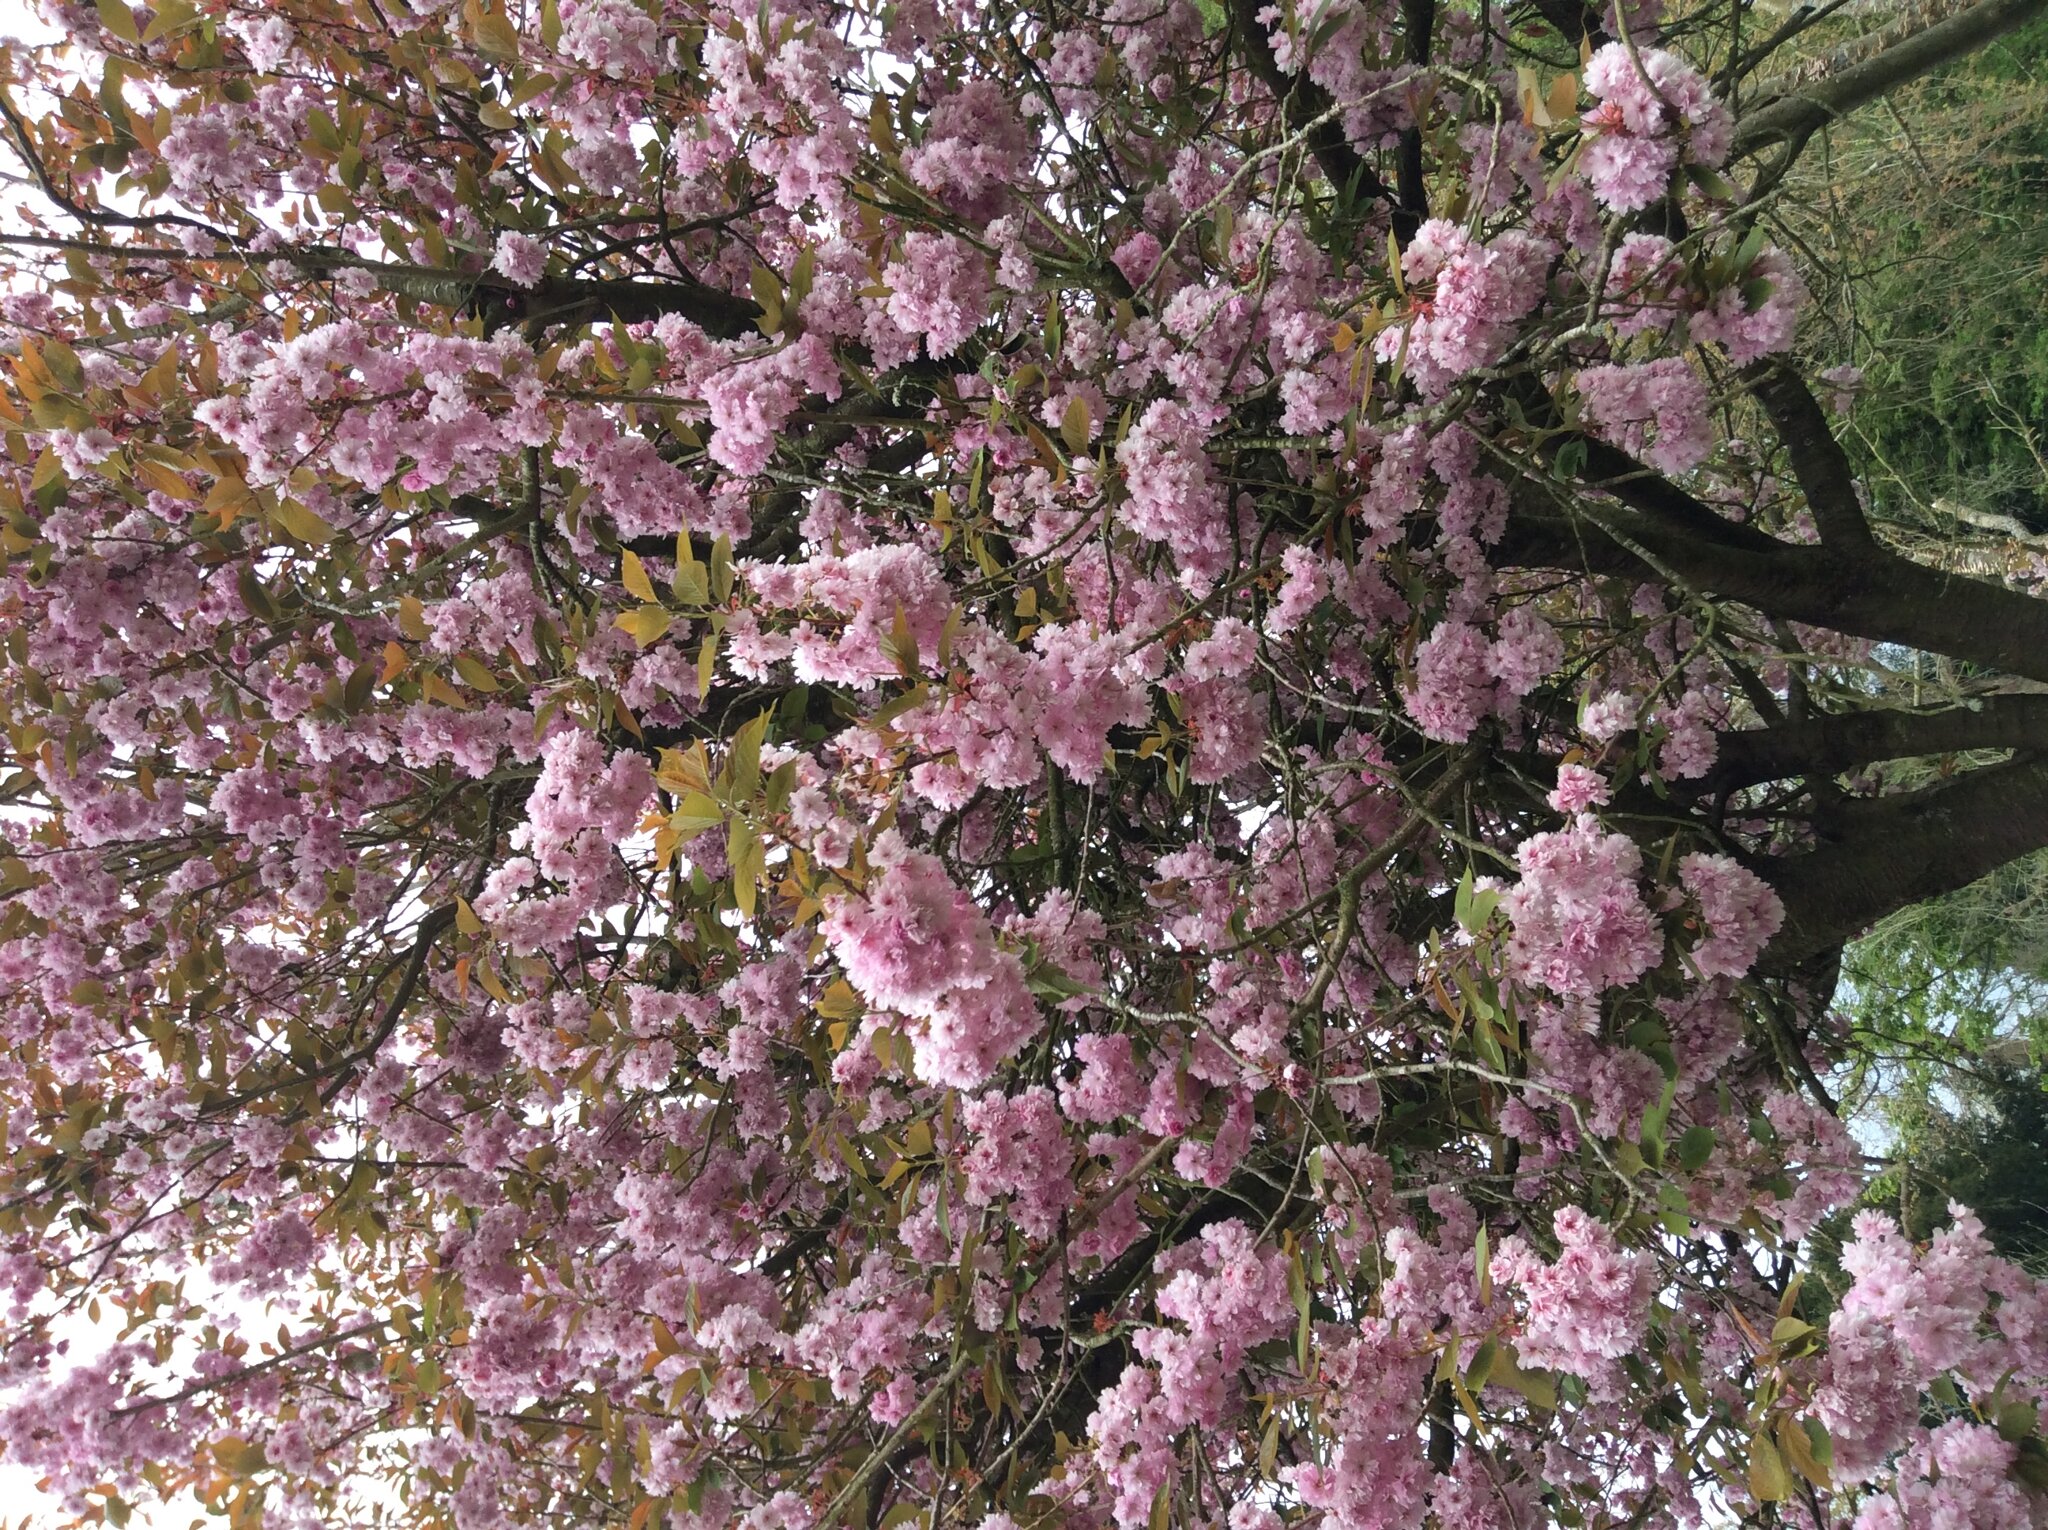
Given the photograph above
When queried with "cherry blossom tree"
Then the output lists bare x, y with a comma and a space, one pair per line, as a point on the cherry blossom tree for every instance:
1082, 765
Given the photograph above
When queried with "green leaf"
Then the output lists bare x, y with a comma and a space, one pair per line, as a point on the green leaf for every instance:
900, 646
1789, 1330
721, 570
1695, 1147
1768, 1482
645, 625
118, 19
767, 288
362, 680
746, 759
695, 813
748, 857
474, 675
255, 595
1074, 425
64, 366
707, 658
302, 524
1538, 1387
1482, 1363
633, 575
1795, 1447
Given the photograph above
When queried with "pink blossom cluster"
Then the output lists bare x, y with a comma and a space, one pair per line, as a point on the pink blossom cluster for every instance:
752, 400
916, 944
1585, 1309
1462, 677
1912, 1316
1740, 910
1959, 1474
1654, 107
1580, 922
1020, 1153
616, 38
1478, 295
1657, 410
851, 610
1174, 498
1228, 1295
938, 292
1757, 315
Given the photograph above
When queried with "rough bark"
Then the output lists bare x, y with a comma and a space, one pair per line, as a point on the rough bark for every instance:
1882, 597
1807, 106
1904, 850
1307, 107
1829, 745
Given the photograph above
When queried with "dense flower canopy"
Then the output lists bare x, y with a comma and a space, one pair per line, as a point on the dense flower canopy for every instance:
1019, 766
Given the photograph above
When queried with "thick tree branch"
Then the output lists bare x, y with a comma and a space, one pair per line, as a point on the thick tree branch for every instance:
1307, 108
1615, 472
1904, 850
1881, 597
562, 302
1828, 745
1818, 461
1574, 20
1418, 19
552, 302
1809, 106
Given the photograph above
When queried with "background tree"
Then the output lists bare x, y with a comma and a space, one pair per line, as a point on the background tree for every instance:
806, 765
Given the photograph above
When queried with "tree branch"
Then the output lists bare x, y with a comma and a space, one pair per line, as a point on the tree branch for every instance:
1418, 20
1809, 106
1574, 20
1904, 850
1306, 107
1829, 744
1818, 461
425, 934
1883, 597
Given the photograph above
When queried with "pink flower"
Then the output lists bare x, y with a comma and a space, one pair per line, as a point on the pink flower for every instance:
1580, 923
1757, 314
1481, 293
1137, 257
1305, 587
1653, 107
1108, 1085
1174, 497
80, 451
750, 402
1462, 677
1021, 1152
1586, 1309
1739, 908
519, 259
977, 1027
614, 37
914, 937
939, 290
1646, 284
1578, 789
1657, 410
915, 943
975, 147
